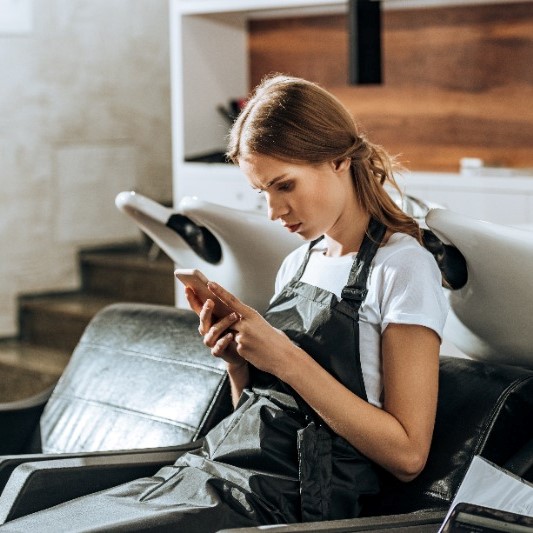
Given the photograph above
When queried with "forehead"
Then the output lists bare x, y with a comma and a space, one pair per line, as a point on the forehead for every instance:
261, 169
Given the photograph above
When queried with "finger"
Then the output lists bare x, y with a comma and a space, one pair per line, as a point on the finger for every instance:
227, 321
194, 302
220, 347
206, 317
238, 340
229, 299
211, 337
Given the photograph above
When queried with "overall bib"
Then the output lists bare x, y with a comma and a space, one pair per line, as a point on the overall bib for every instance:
272, 460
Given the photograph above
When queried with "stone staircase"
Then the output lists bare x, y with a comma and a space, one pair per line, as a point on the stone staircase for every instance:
51, 324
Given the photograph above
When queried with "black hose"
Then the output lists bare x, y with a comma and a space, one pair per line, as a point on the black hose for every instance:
200, 239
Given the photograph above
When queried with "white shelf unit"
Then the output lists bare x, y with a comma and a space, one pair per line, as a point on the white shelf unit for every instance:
209, 67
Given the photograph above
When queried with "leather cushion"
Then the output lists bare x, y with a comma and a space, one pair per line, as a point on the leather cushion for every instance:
140, 377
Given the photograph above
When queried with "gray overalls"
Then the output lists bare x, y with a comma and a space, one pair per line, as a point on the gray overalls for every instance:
272, 460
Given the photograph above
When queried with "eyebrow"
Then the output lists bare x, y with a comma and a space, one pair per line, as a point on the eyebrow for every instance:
272, 182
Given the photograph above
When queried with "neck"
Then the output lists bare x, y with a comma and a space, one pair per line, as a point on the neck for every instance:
343, 242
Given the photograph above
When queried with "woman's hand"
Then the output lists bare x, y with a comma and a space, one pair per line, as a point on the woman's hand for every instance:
222, 342
256, 340
215, 332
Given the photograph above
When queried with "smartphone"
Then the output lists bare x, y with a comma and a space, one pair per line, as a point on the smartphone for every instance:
197, 281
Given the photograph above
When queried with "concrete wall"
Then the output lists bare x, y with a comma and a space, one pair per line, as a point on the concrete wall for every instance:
84, 114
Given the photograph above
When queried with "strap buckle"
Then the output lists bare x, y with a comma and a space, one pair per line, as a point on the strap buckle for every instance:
354, 293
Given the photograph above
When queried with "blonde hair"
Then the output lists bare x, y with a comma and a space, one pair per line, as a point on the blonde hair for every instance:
295, 120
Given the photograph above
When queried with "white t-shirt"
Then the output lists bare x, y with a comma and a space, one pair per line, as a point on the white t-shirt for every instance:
404, 287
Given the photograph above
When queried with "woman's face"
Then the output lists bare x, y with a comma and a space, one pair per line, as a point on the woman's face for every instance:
310, 200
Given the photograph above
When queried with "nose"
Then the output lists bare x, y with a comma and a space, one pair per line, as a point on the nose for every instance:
276, 206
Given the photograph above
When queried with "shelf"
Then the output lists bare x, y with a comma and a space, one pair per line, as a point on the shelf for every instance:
274, 8
501, 184
259, 8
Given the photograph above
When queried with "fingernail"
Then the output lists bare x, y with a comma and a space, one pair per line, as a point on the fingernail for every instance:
233, 316
212, 285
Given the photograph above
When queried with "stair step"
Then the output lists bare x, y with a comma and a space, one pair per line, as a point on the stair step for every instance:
125, 273
128, 276
58, 321
28, 369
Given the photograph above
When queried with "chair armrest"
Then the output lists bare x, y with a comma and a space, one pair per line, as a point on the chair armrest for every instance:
8, 463
415, 522
46, 482
19, 419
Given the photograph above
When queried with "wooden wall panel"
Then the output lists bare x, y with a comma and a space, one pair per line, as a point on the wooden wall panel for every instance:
458, 81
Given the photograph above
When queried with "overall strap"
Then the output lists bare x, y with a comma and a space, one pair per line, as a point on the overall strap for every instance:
301, 268
355, 290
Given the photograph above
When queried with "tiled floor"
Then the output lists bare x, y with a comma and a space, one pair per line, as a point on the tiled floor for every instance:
28, 369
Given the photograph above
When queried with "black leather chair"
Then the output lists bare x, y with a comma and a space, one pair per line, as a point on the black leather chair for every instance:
141, 378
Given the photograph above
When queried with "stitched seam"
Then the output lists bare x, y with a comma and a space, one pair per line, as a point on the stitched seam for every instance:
51, 449
437, 495
140, 414
165, 358
484, 433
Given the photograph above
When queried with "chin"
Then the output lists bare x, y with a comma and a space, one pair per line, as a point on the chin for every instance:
309, 237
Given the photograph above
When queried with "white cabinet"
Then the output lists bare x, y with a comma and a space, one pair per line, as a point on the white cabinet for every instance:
505, 199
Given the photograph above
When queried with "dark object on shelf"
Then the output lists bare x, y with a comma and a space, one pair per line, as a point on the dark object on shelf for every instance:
209, 157
231, 112
364, 27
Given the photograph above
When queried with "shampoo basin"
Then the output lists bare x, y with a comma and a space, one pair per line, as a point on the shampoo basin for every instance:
491, 316
241, 250
488, 266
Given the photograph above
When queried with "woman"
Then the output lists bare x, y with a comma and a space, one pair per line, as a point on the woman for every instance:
298, 145
340, 374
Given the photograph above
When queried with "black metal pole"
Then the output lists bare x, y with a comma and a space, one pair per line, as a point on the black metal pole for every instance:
364, 29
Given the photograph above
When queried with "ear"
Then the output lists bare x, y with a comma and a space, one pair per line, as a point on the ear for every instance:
341, 165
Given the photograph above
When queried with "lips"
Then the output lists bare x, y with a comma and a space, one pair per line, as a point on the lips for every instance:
292, 227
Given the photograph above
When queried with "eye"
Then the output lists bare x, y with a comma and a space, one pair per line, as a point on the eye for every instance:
285, 186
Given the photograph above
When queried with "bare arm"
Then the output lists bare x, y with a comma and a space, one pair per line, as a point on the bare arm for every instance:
239, 377
398, 436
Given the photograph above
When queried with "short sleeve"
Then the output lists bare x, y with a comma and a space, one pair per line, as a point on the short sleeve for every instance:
412, 291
